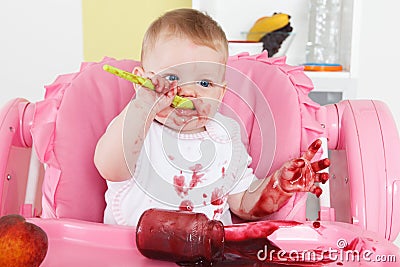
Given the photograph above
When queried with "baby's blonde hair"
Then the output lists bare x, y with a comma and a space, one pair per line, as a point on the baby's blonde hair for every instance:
200, 28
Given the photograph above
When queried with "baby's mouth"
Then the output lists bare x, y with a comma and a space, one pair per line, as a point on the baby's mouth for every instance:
185, 112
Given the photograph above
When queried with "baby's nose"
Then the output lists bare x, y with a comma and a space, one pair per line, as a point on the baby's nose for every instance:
186, 91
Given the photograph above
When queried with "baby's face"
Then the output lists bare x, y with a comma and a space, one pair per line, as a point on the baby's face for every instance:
200, 72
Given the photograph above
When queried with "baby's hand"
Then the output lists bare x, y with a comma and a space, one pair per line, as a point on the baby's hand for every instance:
300, 175
162, 96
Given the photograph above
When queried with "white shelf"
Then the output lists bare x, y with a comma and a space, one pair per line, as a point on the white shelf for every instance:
227, 14
328, 74
340, 81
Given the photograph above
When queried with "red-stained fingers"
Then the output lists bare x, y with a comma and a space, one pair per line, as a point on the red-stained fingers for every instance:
322, 177
320, 164
312, 150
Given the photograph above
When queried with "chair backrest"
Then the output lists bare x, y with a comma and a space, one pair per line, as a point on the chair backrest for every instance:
66, 126
270, 99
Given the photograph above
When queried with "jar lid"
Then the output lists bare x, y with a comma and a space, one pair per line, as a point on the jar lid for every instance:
322, 67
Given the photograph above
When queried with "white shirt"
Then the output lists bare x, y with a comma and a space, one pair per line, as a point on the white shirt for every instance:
183, 171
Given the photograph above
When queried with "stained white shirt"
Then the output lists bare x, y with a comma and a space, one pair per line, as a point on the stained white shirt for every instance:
183, 171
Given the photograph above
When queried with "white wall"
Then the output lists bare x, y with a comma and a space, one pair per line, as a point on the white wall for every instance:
38, 41
379, 72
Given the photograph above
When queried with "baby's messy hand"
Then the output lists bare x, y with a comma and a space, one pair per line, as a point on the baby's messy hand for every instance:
300, 175
162, 95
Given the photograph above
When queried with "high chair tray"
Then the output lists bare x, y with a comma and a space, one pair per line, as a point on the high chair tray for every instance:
78, 243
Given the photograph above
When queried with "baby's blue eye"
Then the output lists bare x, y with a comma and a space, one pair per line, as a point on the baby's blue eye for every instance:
205, 83
172, 77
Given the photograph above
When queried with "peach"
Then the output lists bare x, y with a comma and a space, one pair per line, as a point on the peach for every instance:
22, 244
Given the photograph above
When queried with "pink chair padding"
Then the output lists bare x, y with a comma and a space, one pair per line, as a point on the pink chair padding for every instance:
267, 89
78, 107
67, 124
270, 99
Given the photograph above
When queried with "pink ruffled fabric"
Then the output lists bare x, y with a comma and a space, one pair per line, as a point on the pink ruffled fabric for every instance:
285, 89
43, 133
302, 84
66, 126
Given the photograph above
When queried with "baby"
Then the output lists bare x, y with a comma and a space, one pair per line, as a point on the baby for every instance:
155, 155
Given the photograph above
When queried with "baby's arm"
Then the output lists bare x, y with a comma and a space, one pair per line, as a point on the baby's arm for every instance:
117, 151
268, 195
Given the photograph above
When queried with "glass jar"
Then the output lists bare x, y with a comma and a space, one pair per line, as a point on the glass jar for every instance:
183, 237
323, 44
191, 239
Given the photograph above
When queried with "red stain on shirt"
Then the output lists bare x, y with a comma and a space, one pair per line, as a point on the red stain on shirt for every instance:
217, 212
217, 197
179, 184
197, 167
204, 195
223, 171
196, 177
179, 180
171, 157
186, 205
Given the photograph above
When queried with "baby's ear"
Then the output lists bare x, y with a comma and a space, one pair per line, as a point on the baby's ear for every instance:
138, 70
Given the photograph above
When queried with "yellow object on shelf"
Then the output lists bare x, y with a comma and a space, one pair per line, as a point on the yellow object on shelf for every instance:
177, 102
266, 25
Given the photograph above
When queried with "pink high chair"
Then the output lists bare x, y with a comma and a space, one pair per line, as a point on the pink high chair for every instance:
59, 188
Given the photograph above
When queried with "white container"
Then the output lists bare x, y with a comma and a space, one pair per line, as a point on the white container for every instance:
237, 47
324, 32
